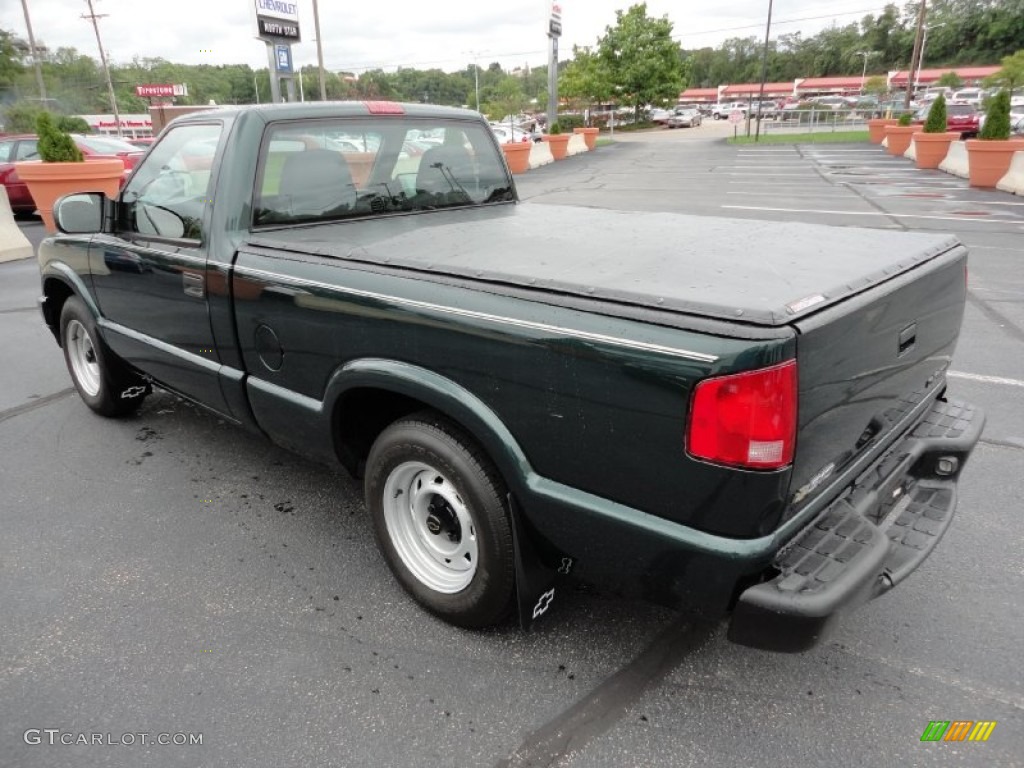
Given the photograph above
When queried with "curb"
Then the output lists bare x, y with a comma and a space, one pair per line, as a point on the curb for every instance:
1013, 181
956, 160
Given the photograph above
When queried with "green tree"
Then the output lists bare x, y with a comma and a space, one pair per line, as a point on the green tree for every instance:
11, 64
642, 58
55, 146
876, 85
585, 79
21, 117
950, 80
936, 122
1011, 73
997, 118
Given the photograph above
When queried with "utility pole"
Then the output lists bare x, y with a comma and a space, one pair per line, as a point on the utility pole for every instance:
764, 75
319, 52
103, 60
924, 45
864, 72
35, 56
476, 75
917, 52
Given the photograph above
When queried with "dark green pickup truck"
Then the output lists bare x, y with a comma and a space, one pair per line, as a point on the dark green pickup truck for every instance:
529, 390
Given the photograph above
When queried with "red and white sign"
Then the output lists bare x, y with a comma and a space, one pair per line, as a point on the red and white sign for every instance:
736, 116
555, 21
150, 91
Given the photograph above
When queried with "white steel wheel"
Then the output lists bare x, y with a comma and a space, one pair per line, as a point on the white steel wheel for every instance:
430, 526
82, 358
440, 515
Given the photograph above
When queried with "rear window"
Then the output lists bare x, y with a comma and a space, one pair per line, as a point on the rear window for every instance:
330, 170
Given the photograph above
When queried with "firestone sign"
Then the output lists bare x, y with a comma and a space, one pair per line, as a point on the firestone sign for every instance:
277, 20
151, 91
555, 21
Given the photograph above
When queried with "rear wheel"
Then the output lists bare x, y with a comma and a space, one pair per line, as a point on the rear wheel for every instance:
441, 520
103, 382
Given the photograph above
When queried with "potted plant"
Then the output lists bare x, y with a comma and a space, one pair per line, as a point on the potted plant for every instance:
899, 135
63, 170
989, 155
589, 135
558, 141
932, 144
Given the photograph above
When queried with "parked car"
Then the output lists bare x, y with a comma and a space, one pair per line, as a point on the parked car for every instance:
722, 111
142, 142
967, 96
504, 134
684, 118
659, 116
963, 118
23, 147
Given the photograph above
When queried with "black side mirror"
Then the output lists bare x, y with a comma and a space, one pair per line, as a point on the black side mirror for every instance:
80, 213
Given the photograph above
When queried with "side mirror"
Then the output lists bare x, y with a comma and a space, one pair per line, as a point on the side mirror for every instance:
80, 213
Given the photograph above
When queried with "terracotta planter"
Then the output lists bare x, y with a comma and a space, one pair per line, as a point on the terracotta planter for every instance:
517, 155
899, 137
932, 148
559, 143
988, 161
876, 128
590, 136
49, 181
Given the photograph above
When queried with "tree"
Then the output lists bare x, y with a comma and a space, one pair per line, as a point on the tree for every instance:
21, 117
950, 80
876, 85
997, 118
936, 122
586, 78
1011, 73
642, 58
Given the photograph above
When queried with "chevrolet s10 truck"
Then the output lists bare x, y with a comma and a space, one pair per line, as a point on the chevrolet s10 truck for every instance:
528, 390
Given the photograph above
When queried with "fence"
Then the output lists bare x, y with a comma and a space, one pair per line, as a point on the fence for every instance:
817, 120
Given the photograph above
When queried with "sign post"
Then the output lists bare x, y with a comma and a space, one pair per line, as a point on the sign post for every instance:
554, 32
277, 25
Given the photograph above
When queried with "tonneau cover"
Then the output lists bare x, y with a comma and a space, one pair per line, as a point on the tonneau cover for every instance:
757, 272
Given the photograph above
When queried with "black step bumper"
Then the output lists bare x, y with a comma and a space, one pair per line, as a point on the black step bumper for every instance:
866, 541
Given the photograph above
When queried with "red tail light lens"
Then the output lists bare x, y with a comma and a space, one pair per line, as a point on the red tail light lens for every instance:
746, 419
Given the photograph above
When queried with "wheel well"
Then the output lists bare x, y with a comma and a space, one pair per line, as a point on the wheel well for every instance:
360, 415
56, 293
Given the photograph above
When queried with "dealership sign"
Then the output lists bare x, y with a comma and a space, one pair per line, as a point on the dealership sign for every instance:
277, 20
555, 22
151, 91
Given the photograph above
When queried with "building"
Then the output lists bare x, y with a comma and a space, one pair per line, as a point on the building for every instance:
132, 126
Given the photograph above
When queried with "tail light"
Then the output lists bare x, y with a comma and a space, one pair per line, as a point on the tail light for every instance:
745, 419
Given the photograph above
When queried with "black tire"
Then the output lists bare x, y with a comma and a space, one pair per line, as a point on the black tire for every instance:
427, 440
103, 381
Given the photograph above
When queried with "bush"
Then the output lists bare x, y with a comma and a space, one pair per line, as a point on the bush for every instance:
906, 118
55, 146
997, 118
555, 128
936, 122
70, 124
568, 122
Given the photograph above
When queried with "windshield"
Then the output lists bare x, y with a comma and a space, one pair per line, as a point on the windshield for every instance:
329, 170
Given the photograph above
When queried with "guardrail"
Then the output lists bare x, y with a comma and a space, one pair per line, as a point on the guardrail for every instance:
817, 120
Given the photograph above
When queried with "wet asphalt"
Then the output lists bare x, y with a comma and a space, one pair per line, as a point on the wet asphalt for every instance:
167, 573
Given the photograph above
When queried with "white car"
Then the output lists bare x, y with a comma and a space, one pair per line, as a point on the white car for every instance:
506, 135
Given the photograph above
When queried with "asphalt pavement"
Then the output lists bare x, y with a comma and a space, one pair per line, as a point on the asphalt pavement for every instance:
169, 574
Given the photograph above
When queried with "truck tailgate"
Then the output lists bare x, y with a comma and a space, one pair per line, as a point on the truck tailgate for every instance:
867, 364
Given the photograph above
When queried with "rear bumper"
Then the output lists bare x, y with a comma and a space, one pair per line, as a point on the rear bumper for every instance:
866, 541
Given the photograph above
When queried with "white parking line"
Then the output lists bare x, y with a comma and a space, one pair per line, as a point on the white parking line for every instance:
986, 379
971, 219
993, 248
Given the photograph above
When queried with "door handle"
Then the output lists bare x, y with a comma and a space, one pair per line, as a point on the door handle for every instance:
193, 284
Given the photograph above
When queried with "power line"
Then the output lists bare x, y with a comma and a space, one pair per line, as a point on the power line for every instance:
776, 23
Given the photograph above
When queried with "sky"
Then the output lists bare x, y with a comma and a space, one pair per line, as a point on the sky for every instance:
446, 34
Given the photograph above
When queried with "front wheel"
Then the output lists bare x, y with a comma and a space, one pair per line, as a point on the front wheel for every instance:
441, 520
103, 382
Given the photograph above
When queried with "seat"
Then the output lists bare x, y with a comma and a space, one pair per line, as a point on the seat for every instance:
314, 182
440, 165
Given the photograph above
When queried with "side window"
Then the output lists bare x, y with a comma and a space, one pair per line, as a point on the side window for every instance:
169, 193
27, 150
5, 151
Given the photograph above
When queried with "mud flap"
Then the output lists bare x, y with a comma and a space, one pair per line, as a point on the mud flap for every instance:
537, 573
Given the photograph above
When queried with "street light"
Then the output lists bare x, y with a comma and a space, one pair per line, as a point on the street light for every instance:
864, 72
924, 42
476, 75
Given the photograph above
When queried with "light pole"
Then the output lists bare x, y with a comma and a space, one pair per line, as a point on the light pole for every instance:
476, 76
864, 72
319, 52
924, 43
35, 55
764, 77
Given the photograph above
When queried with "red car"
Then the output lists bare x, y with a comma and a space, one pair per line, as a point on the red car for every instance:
964, 118
17, 148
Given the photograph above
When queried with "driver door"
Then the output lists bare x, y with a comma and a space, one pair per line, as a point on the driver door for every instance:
149, 276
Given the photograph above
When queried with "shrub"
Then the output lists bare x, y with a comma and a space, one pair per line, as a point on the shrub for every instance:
997, 118
568, 122
555, 128
936, 122
72, 124
55, 146
906, 118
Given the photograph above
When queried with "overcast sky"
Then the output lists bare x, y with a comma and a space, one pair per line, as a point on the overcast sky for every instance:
391, 33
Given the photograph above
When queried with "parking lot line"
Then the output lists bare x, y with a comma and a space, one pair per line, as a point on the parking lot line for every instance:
986, 379
971, 219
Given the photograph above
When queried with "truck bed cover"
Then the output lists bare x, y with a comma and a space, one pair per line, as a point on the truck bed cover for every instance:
697, 265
